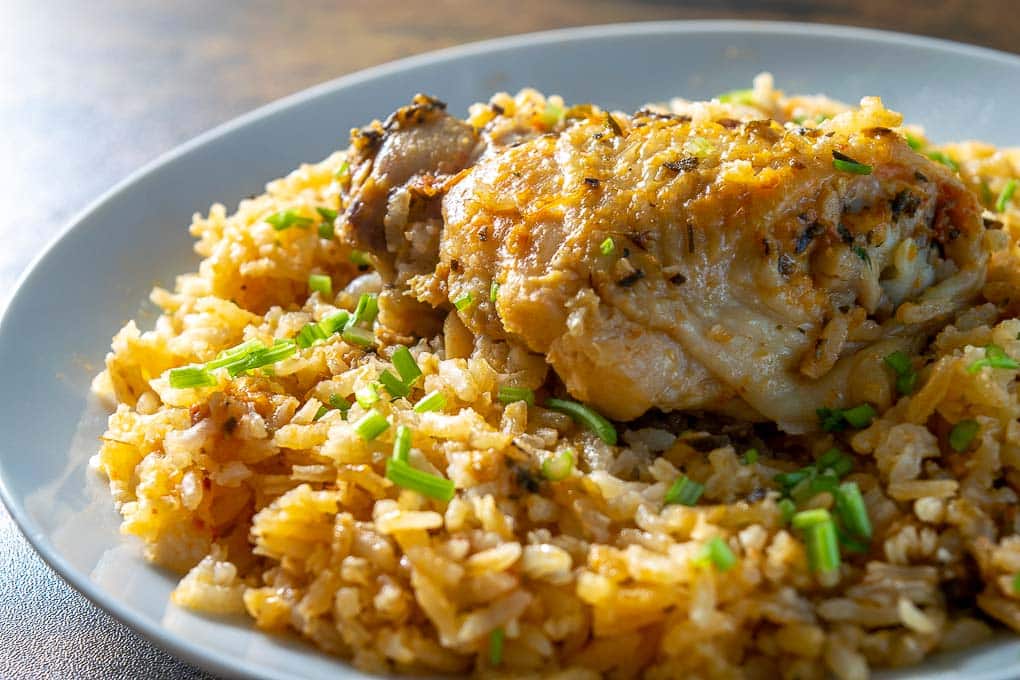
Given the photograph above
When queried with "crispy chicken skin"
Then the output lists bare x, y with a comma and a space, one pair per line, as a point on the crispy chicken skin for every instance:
707, 262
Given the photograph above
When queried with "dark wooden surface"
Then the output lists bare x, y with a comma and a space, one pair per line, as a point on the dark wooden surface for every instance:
92, 89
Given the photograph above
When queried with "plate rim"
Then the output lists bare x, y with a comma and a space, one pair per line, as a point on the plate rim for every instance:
211, 659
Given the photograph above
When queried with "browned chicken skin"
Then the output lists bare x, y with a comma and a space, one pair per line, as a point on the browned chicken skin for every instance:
678, 262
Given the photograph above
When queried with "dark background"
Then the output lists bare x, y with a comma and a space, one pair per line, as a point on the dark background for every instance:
92, 89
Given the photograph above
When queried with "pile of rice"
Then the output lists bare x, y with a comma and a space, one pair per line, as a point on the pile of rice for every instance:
292, 520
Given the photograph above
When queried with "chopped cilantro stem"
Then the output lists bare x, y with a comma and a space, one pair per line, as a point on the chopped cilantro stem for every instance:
190, 376
509, 395
962, 435
587, 416
371, 425
401, 473
844, 163
684, 491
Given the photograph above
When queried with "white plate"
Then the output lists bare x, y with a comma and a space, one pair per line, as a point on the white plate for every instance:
91, 279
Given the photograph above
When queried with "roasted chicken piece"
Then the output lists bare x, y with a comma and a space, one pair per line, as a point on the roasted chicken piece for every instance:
701, 261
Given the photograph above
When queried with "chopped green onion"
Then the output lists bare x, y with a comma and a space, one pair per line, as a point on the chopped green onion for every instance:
288, 218
844, 163
807, 518
962, 435
585, 415
310, 334
718, 552
789, 480
433, 401
1016, 583
913, 142
822, 543
906, 376
327, 228
944, 159
366, 311
402, 443
814, 485
986, 194
745, 97
405, 364
684, 491
367, 395
321, 283
852, 543
699, 146
552, 114
282, 349
558, 467
231, 355
1005, 196
371, 425
860, 252
463, 302
995, 357
339, 403
836, 419
356, 335
394, 385
496, 638
787, 509
402, 474
607, 247
360, 258
751, 457
345, 168
493, 291
851, 510
191, 376
509, 395
334, 323
828, 459
321, 412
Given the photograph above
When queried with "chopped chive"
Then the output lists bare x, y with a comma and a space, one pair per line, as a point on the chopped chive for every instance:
360, 258
366, 311
356, 335
751, 457
962, 435
496, 639
402, 443
587, 416
906, 376
327, 227
913, 142
345, 169
190, 376
433, 401
558, 467
321, 283
853, 513
995, 357
310, 334
607, 247
339, 403
405, 364
551, 115
859, 416
509, 395
366, 396
744, 96
944, 159
394, 385
334, 323
1005, 196
787, 509
822, 545
321, 412
286, 219
684, 491
463, 302
233, 354
844, 163
718, 552
401, 473
493, 291
371, 425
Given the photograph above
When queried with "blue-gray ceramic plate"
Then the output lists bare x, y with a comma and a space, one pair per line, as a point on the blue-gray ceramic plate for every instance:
92, 278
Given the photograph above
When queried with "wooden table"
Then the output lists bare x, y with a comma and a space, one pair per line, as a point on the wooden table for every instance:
92, 89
